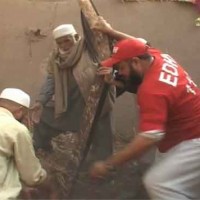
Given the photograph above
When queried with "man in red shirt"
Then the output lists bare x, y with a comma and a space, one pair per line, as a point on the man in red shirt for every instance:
169, 117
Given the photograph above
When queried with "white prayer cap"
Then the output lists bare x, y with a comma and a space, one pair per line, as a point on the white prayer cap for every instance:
63, 30
16, 95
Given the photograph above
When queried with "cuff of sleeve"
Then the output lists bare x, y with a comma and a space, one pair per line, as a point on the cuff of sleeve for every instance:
154, 134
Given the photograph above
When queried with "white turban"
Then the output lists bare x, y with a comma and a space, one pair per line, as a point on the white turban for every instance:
16, 95
63, 30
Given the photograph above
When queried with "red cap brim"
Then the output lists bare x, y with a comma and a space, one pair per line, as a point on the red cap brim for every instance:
110, 62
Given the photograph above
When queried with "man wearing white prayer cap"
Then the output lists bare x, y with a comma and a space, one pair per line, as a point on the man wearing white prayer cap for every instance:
18, 162
65, 36
62, 99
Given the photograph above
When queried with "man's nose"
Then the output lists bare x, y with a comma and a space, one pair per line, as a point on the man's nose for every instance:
62, 45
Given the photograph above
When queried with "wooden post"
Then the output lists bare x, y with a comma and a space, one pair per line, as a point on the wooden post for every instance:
101, 41
64, 161
102, 46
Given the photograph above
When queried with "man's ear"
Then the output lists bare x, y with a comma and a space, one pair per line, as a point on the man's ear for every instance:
17, 111
20, 109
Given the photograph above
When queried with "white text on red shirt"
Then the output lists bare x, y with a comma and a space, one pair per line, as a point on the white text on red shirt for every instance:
169, 73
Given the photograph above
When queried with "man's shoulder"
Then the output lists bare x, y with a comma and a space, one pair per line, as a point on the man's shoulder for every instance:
153, 86
17, 126
163, 75
12, 129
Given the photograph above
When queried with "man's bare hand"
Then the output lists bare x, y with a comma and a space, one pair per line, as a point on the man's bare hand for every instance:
27, 121
28, 192
36, 112
99, 170
107, 73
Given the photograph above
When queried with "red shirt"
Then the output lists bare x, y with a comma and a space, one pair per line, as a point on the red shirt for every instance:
169, 101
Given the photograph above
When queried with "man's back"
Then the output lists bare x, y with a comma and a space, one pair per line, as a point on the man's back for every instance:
9, 176
173, 104
17, 157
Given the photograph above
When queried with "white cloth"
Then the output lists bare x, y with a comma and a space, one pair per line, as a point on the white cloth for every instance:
176, 173
17, 157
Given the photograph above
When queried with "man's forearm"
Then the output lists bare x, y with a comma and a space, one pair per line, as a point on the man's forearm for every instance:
28, 165
135, 149
47, 90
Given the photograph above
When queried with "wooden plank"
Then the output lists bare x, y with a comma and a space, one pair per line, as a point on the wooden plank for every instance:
102, 46
101, 40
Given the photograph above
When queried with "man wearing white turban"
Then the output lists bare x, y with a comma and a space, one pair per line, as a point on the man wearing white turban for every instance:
62, 99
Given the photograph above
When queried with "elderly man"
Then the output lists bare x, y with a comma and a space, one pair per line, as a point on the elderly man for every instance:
18, 161
169, 118
62, 99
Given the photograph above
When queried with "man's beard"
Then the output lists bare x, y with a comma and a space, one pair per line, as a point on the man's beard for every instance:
134, 77
64, 54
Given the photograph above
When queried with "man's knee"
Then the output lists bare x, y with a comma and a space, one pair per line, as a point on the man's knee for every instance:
153, 182
149, 181
159, 186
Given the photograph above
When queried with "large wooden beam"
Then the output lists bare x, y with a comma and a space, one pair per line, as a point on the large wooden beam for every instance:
64, 161
102, 46
101, 41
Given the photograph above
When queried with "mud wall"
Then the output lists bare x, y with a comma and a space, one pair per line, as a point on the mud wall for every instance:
167, 25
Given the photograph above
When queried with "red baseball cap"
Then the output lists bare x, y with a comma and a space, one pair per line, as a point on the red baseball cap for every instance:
124, 50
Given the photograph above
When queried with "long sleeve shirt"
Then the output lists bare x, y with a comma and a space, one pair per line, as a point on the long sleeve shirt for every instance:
17, 157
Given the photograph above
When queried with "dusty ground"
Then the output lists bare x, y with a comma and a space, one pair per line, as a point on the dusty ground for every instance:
125, 183
167, 25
